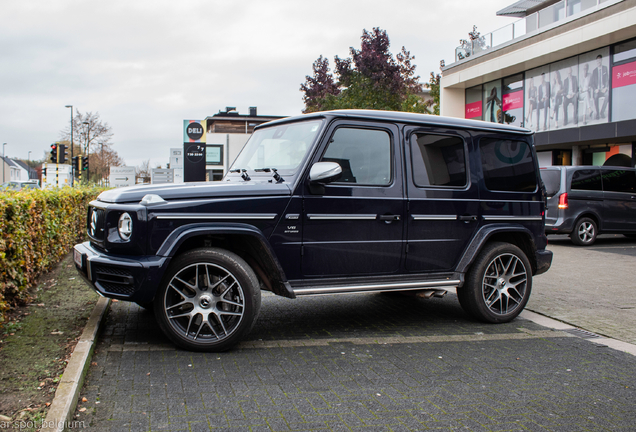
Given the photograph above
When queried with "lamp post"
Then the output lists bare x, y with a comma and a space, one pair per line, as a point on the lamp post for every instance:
88, 130
72, 173
3, 161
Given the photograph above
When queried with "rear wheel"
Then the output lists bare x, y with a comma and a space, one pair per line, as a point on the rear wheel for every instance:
208, 300
498, 285
584, 233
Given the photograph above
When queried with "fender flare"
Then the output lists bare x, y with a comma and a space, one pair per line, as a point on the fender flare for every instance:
481, 237
174, 241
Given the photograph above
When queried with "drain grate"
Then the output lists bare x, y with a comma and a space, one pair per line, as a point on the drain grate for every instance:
582, 333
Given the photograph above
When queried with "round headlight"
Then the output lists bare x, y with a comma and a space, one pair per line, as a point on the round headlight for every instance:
125, 226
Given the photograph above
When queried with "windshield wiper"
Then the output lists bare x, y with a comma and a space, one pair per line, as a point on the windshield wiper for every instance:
243, 172
277, 176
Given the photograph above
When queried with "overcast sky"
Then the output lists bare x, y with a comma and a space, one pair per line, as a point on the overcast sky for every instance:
145, 66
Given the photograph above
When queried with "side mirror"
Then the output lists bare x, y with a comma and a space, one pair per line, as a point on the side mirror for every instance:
324, 172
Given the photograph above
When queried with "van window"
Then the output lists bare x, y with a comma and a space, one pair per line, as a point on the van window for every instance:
619, 181
586, 179
507, 165
551, 180
438, 160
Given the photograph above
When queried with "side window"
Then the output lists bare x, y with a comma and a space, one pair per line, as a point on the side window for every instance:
507, 165
363, 154
619, 181
586, 179
438, 160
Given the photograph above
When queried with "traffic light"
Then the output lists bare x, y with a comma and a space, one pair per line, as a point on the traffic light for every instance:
63, 153
84, 163
75, 164
54, 153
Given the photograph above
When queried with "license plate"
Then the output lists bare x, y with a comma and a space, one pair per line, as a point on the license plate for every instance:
77, 257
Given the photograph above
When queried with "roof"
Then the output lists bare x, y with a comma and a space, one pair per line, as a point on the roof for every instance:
405, 117
33, 174
520, 8
10, 162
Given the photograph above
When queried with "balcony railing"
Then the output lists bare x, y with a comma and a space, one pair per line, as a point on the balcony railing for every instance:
565, 10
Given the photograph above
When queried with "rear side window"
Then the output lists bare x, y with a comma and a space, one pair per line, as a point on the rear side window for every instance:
586, 179
551, 180
438, 160
619, 181
507, 165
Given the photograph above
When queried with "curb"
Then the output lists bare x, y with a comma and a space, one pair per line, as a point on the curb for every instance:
65, 399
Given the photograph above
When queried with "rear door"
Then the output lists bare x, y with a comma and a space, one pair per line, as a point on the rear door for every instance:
442, 200
355, 226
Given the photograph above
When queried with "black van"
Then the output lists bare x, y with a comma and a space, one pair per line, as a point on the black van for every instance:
584, 201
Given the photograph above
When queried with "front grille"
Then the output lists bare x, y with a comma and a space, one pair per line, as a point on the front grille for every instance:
96, 223
114, 280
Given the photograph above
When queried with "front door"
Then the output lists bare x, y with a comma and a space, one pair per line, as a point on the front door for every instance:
354, 226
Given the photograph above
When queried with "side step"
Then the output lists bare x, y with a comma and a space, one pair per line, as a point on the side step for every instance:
434, 287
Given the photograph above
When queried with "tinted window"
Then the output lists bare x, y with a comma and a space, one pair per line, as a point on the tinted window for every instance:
363, 154
551, 180
507, 165
438, 160
619, 181
586, 180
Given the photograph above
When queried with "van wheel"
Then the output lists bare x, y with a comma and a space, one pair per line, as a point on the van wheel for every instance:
208, 300
498, 285
584, 233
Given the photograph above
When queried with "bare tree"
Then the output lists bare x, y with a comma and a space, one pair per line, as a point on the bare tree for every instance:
142, 172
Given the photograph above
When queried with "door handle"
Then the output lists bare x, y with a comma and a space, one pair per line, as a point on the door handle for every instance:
389, 218
467, 218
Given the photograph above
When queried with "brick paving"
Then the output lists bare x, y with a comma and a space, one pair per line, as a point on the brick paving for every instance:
591, 287
359, 362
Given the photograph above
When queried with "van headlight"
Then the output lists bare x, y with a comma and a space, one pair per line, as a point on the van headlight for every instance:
125, 226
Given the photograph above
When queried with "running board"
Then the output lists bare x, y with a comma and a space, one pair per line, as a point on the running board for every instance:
404, 286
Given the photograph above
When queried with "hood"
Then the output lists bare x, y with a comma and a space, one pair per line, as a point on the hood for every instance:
173, 191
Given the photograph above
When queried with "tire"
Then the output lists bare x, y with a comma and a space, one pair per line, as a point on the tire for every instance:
498, 284
208, 300
584, 232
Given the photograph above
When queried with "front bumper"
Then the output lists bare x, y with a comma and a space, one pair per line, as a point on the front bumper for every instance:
120, 277
544, 261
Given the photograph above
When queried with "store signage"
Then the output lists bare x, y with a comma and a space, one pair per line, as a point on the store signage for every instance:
473, 110
624, 75
194, 131
513, 100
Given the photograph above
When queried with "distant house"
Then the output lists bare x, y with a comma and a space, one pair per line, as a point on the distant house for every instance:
16, 170
26, 172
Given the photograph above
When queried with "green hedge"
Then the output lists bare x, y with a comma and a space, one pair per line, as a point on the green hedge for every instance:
37, 228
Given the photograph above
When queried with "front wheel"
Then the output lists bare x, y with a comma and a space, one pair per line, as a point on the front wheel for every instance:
584, 233
209, 300
498, 285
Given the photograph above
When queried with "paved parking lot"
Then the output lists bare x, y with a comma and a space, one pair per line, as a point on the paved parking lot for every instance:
372, 362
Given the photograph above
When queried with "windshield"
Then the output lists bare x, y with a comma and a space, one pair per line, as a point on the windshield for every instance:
281, 147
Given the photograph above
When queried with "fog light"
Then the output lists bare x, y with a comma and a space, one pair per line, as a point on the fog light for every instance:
125, 226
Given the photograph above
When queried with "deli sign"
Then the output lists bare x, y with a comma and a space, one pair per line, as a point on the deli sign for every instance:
194, 131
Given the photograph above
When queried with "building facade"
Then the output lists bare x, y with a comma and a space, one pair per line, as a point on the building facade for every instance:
566, 69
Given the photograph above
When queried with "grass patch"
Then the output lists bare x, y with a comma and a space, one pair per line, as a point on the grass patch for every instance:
38, 339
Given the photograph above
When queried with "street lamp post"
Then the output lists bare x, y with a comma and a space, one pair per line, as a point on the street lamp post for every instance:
88, 131
72, 173
3, 161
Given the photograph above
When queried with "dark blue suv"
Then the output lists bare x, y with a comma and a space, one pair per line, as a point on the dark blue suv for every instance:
329, 203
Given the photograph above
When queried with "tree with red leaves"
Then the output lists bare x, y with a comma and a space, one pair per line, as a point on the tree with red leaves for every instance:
371, 78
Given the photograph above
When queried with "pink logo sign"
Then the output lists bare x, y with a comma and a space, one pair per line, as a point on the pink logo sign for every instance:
513, 100
624, 75
473, 110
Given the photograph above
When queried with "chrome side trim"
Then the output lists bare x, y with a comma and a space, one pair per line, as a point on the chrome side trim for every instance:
217, 216
405, 286
434, 217
342, 216
513, 218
